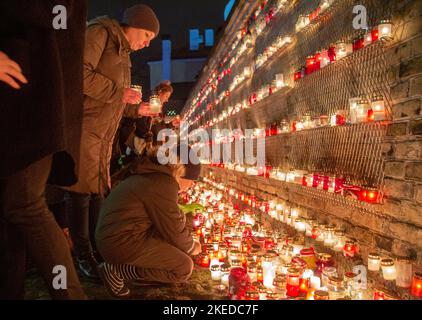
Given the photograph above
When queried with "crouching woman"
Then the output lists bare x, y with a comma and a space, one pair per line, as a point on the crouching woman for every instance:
141, 233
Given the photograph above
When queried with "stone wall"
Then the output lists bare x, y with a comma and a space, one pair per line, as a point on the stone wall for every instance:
392, 68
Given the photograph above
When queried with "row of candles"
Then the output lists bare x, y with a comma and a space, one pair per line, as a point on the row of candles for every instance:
240, 45
320, 181
262, 18
306, 19
278, 264
342, 49
315, 62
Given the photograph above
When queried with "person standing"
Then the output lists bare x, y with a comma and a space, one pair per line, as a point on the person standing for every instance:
107, 81
41, 84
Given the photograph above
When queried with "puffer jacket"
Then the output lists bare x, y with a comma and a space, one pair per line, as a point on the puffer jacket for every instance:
142, 206
106, 74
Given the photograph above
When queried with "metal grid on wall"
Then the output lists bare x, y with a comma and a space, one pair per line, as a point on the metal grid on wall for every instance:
352, 151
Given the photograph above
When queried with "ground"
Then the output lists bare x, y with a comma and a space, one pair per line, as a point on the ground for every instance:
200, 287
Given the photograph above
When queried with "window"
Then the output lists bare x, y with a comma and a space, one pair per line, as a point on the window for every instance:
195, 39
209, 37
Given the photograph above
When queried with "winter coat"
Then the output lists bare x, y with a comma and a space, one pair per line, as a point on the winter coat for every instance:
44, 117
142, 206
106, 74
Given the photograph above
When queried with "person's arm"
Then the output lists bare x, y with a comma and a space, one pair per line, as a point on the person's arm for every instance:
166, 217
97, 85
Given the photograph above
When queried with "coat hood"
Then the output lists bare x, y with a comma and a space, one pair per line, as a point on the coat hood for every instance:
143, 165
114, 29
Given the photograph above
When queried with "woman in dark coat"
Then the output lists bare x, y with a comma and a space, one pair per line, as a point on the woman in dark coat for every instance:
141, 233
107, 82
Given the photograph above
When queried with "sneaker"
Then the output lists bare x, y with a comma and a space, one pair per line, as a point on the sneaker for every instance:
113, 282
87, 267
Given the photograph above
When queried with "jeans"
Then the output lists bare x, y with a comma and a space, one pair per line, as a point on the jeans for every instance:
82, 212
31, 228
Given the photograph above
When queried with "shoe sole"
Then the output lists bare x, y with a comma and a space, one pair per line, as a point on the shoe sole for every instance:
109, 290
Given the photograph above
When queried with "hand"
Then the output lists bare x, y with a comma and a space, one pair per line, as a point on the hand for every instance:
10, 71
197, 249
132, 96
145, 110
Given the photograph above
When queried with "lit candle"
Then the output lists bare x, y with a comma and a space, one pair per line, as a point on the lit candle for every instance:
225, 272
378, 109
417, 285
279, 79
340, 241
252, 272
350, 248
324, 58
329, 239
268, 271
343, 49
404, 272
215, 272
315, 282
155, 104
374, 262
388, 269
385, 29
293, 282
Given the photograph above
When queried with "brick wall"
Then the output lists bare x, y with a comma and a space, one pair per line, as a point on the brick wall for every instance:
393, 68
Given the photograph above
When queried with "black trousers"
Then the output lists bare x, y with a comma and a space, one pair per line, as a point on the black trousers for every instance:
29, 227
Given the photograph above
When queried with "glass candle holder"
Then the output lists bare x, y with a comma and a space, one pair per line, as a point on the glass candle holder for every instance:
308, 255
329, 240
326, 274
350, 248
416, 289
404, 272
388, 269
252, 295
215, 272
377, 111
362, 109
225, 271
293, 282
385, 29
374, 262
321, 295
155, 104
336, 288
340, 241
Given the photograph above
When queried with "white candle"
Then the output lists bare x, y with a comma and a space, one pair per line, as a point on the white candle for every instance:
404, 272
215, 273
388, 269
374, 262
315, 282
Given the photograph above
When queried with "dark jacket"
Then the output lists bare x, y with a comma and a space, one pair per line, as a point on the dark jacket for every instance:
45, 116
142, 206
106, 75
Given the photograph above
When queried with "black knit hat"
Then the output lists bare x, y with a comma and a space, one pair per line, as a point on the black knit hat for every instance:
141, 16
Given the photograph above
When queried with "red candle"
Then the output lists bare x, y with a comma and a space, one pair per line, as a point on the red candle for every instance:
304, 285
317, 61
293, 282
326, 183
298, 75
371, 116
205, 261
358, 43
332, 53
378, 295
350, 249
374, 34
310, 61
316, 180
416, 289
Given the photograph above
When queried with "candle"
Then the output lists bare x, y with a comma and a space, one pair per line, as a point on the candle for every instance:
329, 239
321, 295
293, 282
343, 49
374, 262
385, 29
388, 269
215, 272
417, 285
340, 241
350, 248
324, 59
279, 80
225, 272
252, 272
327, 272
268, 271
378, 109
155, 104
404, 272
315, 282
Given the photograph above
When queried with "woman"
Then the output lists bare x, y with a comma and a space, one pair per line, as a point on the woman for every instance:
107, 81
141, 233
